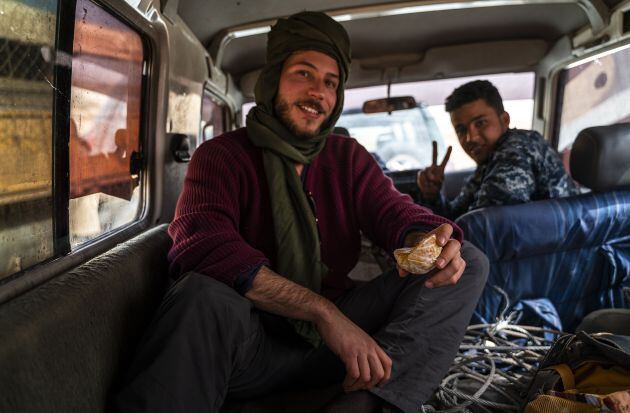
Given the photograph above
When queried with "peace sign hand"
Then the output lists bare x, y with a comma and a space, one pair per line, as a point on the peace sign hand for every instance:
430, 179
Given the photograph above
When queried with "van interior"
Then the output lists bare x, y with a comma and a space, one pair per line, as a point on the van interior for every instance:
103, 102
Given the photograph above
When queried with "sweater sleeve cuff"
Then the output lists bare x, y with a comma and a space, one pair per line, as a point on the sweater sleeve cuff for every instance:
245, 280
413, 228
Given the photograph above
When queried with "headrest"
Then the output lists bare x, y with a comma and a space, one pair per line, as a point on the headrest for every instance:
600, 157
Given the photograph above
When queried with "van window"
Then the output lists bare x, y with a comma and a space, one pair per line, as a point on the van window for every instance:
105, 120
402, 140
594, 92
213, 113
27, 37
105, 117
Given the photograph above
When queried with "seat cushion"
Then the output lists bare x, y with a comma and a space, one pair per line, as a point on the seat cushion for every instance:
62, 343
573, 251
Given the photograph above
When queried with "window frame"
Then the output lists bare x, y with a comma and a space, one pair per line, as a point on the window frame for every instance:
63, 257
210, 89
560, 83
61, 129
142, 136
230, 105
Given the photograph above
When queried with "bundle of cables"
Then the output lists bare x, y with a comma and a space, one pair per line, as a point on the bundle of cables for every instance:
493, 368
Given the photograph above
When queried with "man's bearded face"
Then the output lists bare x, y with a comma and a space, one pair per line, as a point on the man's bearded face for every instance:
307, 92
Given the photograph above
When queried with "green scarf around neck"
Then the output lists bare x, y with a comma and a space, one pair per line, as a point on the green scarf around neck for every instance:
295, 229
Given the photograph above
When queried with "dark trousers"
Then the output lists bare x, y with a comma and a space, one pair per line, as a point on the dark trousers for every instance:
208, 342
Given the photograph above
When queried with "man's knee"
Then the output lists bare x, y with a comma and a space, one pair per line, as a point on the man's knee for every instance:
204, 296
477, 265
193, 287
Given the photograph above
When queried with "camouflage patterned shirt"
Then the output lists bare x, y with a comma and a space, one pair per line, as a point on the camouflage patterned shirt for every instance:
522, 168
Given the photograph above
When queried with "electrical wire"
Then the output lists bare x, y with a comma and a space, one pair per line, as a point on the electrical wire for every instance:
493, 367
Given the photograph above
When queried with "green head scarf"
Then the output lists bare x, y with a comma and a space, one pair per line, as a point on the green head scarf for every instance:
296, 234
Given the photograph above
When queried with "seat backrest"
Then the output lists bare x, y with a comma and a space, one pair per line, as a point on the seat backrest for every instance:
574, 251
62, 343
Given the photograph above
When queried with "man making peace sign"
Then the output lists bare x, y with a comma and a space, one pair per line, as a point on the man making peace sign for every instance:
513, 166
430, 179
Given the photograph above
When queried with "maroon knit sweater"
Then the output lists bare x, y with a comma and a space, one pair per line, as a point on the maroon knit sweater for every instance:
223, 226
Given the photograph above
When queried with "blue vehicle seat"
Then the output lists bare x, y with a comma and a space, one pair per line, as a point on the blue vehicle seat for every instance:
569, 253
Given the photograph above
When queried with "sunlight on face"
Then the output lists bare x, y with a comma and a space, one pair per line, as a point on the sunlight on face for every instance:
307, 92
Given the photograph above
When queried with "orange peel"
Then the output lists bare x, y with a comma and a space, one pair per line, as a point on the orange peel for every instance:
421, 258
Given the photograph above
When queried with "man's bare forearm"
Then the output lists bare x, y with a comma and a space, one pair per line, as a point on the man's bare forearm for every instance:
275, 294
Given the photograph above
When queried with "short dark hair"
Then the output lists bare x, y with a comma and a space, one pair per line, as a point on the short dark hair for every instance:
475, 90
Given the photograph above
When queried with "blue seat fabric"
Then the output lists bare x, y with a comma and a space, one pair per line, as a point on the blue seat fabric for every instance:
573, 251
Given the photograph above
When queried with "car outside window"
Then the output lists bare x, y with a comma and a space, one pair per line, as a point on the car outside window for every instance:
399, 139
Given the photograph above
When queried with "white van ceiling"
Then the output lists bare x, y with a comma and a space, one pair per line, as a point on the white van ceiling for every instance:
430, 32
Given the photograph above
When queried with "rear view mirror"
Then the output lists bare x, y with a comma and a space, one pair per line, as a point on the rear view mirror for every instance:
389, 104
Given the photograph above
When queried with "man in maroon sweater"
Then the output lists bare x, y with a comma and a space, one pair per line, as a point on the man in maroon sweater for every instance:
266, 230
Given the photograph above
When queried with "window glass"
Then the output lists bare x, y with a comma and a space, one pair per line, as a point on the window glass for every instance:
596, 93
104, 123
27, 38
212, 117
245, 110
403, 139
400, 139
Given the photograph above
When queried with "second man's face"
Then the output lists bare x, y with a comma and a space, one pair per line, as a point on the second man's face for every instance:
478, 127
307, 92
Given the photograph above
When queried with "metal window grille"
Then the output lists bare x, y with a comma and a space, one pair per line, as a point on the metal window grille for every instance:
20, 60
